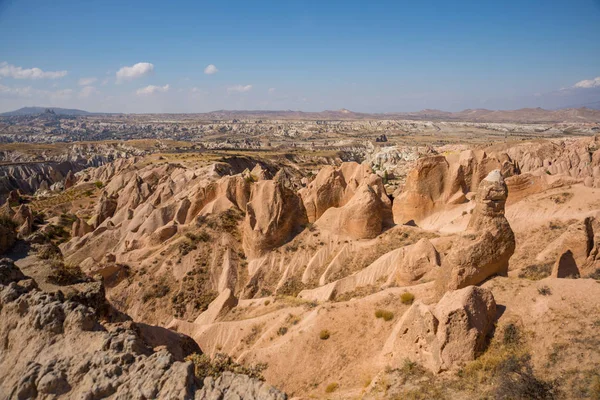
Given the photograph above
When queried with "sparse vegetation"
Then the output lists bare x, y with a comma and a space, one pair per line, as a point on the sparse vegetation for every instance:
254, 334
48, 251
407, 298
561, 198
291, 287
158, 290
384, 314
594, 275
536, 272
282, 331
205, 367
504, 371
63, 274
324, 334
544, 290
332, 387
99, 184
195, 293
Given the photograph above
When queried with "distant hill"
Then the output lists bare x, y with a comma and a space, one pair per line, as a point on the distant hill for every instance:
523, 115
41, 110
588, 114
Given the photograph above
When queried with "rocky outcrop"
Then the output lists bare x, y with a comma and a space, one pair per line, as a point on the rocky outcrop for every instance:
441, 336
335, 187
54, 347
24, 219
440, 181
487, 245
274, 215
574, 157
575, 252
236, 386
217, 308
361, 218
80, 228
106, 207
70, 180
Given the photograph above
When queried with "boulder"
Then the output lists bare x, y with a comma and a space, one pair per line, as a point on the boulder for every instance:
443, 336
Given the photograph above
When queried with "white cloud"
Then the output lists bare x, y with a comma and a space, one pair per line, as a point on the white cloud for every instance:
10, 71
587, 84
151, 89
87, 91
28, 91
271, 90
19, 92
135, 71
210, 69
239, 88
105, 82
87, 81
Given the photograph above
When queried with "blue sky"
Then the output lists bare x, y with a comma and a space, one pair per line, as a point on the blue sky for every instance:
379, 56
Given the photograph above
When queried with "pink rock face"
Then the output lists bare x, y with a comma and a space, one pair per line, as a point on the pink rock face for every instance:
274, 215
437, 181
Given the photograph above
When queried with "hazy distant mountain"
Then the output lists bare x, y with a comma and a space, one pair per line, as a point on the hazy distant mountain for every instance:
588, 114
41, 110
523, 115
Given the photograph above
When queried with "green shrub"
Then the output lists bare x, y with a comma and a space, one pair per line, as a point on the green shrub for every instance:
332, 387
62, 274
99, 184
407, 298
536, 272
282, 331
386, 315
324, 334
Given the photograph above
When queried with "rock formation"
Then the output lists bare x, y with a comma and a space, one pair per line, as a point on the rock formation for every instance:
106, 207
438, 181
575, 252
441, 336
54, 347
80, 228
487, 245
274, 215
360, 218
334, 187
